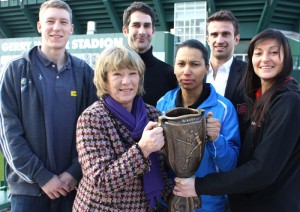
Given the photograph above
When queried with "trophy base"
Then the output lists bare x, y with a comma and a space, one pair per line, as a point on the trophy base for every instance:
183, 204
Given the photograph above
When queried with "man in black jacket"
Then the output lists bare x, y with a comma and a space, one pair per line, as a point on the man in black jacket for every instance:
43, 92
225, 72
139, 27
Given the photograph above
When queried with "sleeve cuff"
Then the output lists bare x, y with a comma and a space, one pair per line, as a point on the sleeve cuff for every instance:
198, 182
43, 176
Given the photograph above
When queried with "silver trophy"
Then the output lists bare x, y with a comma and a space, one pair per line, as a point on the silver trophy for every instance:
185, 132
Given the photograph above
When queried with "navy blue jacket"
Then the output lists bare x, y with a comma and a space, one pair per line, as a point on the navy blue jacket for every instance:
23, 136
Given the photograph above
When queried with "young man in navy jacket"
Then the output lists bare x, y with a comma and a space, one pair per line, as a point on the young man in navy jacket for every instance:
42, 94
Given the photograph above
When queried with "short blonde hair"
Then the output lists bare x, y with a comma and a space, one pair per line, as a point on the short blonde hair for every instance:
116, 58
58, 4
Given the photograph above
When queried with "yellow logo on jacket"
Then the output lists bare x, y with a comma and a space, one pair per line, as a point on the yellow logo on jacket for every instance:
73, 93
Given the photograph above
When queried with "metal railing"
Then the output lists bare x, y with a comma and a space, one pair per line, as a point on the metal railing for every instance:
4, 189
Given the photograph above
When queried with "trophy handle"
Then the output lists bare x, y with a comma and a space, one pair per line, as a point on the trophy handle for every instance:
160, 119
159, 122
184, 204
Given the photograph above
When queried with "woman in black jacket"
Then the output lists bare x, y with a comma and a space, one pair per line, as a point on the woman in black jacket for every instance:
268, 172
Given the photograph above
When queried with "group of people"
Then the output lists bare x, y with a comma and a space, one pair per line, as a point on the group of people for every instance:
84, 140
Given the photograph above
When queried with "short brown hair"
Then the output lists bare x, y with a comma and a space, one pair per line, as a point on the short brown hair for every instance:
59, 4
225, 15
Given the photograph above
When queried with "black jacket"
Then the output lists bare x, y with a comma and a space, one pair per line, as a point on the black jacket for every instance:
268, 173
159, 78
234, 87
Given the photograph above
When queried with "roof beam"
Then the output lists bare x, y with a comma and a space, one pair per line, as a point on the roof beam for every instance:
211, 7
281, 10
222, 4
5, 32
266, 16
160, 15
289, 4
30, 17
113, 15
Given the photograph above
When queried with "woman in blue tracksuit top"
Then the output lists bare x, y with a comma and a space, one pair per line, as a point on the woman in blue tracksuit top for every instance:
222, 149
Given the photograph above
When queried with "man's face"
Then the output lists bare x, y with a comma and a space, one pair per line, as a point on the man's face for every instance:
55, 27
140, 31
221, 39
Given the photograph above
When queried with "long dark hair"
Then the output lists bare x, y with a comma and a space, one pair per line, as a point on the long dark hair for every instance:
257, 110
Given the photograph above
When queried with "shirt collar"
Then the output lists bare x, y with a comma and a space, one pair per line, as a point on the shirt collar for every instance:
226, 66
204, 95
43, 58
46, 62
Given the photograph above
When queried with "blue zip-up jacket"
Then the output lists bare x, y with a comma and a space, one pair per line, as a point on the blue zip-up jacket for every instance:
220, 155
22, 126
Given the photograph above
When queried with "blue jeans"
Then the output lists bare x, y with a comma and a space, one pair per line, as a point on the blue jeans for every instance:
24, 203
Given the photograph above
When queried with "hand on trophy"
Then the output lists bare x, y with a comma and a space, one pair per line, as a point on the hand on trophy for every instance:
152, 139
213, 127
185, 187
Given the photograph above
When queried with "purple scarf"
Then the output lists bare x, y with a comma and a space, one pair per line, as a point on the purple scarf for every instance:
135, 122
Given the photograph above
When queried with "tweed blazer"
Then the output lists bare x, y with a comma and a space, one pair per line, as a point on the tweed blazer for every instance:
112, 164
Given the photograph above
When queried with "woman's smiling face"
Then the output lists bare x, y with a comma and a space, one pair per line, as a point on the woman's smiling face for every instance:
267, 60
122, 86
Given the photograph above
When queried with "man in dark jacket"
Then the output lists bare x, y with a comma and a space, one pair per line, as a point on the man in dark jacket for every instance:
225, 72
139, 27
42, 94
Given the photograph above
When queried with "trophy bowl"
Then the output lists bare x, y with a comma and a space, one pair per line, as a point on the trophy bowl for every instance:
185, 137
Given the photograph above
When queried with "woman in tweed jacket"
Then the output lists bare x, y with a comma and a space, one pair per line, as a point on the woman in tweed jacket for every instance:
117, 140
